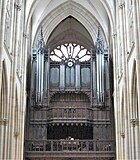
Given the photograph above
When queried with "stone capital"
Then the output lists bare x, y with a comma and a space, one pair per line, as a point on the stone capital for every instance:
3, 121
18, 6
25, 35
122, 5
114, 34
134, 122
122, 134
16, 133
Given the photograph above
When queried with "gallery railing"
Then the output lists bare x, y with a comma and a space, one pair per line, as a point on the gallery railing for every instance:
70, 145
71, 114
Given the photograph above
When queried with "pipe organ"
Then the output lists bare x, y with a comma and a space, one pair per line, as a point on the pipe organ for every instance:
38, 71
70, 82
77, 69
70, 104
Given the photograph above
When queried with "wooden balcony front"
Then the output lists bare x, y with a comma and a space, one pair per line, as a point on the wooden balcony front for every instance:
74, 148
71, 115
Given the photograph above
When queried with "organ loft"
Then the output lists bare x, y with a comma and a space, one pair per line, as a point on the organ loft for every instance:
70, 104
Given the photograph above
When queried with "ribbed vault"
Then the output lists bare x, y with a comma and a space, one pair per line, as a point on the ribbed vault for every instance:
70, 30
90, 14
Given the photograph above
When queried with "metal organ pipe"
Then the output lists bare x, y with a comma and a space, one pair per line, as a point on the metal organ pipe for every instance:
62, 76
98, 77
100, 69
46, 76
40, 71
33, 75
94, 77
46, 72
37, 77
40, 75
102, 74
91, 76
77, 75
107, 75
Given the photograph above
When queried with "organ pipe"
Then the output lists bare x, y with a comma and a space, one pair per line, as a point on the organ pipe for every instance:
40, 70
33, 79
77, 67
91, 75
107, 75
62, 75
100, 69
46, 75
94, 76
46, 71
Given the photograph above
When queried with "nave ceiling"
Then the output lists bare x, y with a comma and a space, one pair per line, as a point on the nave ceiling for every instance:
91, 14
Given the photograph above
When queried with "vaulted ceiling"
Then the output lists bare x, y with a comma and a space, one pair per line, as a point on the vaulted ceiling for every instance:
67, 18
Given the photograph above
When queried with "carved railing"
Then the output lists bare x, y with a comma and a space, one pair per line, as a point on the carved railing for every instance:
70, 145
71, 113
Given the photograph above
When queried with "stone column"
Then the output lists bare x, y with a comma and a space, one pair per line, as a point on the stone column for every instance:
2, 27
5, 140
137, 139
125, 75
1, 138
136, 12
116, 97
122, 149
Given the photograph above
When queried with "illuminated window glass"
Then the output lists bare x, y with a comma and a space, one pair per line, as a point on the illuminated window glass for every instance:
70, 53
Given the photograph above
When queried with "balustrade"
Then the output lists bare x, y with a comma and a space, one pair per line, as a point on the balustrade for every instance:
70, 145
70, 113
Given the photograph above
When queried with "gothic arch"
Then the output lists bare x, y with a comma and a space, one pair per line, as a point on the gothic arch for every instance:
76, 11
134, 92
108, 7
4, 92
71, 9
134, 115
3, 109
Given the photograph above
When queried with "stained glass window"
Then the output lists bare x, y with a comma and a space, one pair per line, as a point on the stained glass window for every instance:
70, 53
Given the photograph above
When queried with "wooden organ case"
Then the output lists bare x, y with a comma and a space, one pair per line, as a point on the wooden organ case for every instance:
70, 108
